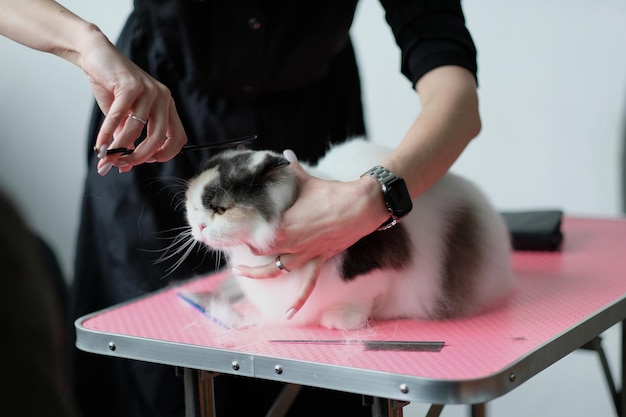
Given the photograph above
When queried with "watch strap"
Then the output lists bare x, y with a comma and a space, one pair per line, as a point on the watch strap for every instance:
381, 174
384, 176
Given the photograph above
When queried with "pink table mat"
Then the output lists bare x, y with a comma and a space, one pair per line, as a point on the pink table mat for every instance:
555, 293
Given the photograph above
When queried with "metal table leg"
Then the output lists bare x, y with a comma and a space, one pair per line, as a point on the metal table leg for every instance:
479, 410
284, 401
621, 402
618, 395
387, 408
189, 377
435, 410
199, 393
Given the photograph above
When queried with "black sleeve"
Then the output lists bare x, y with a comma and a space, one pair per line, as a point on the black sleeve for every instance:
430, 33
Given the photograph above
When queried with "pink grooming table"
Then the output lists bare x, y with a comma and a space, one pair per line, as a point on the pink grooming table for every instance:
562, 301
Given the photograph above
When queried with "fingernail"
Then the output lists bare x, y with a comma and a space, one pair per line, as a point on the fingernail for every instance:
102, 152
104, 169
290, 155
289, 314
235, 270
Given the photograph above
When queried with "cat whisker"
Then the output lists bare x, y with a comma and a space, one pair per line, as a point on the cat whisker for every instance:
218, 259
174, 180
178, 184
179, 244
174, 229
190, 245
180, 248
178, 201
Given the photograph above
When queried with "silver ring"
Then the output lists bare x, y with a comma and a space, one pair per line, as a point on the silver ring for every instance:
140, 120
280, 265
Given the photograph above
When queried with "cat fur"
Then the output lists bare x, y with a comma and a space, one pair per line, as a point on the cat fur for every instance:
449, 257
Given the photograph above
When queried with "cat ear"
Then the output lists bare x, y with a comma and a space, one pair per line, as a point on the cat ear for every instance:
273, 167
283, 162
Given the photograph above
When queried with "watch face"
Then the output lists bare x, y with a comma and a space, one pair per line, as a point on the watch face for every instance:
398, 197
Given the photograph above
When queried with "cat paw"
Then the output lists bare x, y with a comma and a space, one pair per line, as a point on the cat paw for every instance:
344, 319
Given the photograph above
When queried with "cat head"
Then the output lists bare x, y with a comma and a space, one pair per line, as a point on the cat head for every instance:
239, 198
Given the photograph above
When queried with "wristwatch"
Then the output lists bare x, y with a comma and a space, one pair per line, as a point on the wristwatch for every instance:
395, 193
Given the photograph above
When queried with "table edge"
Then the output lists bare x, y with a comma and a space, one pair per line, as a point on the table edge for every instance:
349, 379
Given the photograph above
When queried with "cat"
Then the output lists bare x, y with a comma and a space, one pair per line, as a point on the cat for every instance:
449, 257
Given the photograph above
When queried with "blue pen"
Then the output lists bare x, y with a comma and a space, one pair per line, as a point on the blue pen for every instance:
195, 304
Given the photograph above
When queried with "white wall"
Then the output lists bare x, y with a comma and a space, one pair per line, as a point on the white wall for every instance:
553, 100
45, 104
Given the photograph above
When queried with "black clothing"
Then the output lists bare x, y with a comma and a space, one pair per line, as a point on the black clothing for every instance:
284, 70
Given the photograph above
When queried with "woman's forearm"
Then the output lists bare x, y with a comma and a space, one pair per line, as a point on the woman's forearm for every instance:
47, 26
448, 121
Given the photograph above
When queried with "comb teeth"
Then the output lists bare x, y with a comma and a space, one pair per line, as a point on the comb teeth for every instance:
403, 346
376, 345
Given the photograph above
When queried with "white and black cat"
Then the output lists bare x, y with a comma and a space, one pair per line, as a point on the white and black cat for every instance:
449, 257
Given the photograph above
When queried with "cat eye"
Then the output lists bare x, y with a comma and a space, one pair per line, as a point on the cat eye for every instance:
244, 140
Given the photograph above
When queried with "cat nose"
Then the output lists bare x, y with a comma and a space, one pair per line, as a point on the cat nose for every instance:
202, 226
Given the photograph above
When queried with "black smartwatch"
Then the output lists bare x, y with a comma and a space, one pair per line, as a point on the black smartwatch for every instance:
395, 193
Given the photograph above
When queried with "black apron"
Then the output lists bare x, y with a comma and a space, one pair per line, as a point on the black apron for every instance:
128, 219
282, 70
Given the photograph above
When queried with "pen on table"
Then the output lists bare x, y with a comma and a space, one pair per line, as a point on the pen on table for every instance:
189, 299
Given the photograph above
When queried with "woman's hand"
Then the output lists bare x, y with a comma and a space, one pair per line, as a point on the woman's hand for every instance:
326, 218
128, 96
130, 99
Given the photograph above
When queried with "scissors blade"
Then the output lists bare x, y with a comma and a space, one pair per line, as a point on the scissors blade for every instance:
221, 144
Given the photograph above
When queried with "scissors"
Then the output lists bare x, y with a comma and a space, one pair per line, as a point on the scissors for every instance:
215, 145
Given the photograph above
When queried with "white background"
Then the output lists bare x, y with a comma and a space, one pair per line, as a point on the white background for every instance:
553, 99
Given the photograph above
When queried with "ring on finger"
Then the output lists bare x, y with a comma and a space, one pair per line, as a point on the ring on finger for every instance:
139, 119
280, 265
